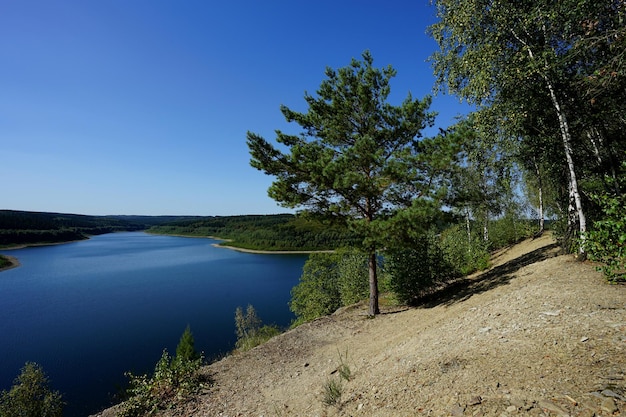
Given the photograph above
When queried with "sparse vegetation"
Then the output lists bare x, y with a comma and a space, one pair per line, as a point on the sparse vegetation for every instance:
174, 381
344, 369
250, 331
333, 389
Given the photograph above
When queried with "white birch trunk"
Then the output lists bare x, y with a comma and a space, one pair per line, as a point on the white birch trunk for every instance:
567, 139
540, 190
573, 182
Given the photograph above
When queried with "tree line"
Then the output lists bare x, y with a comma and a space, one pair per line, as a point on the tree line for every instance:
26, 227
274, 232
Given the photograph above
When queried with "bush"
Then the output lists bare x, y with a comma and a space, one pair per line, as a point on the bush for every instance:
328, 282
417, 268
606, 242
31, 396
174, 381
508, 230
463, 255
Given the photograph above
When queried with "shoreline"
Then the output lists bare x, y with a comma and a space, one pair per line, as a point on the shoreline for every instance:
33, 245
271, 252
13, 263
244, 250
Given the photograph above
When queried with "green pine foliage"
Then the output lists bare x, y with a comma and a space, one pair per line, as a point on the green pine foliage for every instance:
31, 395
186, 350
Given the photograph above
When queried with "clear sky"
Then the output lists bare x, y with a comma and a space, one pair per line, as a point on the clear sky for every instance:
142, 106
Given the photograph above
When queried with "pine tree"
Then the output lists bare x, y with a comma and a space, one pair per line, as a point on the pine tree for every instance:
185, 351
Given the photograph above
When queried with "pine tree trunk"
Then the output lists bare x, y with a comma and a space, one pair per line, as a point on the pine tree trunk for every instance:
373, 275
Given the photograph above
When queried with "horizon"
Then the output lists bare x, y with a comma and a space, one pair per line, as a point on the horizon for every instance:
143, 107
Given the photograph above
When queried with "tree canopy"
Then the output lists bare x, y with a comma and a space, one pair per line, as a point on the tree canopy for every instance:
543, 68
358, 157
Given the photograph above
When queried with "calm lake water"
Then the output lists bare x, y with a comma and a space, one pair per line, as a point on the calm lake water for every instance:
89, 311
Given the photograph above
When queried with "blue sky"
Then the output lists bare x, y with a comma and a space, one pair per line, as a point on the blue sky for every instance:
142, 106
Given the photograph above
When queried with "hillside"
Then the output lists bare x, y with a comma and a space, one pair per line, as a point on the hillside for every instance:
538, 334
23, 228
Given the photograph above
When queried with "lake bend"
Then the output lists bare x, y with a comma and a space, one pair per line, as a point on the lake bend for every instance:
91, 310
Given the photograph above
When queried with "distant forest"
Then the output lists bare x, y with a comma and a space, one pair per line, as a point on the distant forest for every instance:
277, 232
25, 227
283, 232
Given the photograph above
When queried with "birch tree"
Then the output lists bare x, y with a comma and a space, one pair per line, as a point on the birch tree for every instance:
491, 51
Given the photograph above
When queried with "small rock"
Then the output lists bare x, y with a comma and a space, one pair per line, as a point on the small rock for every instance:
457, 410
609, 393
517, 402
475, 400
608, 405
359, 407
511, 409
584, 339
547, 405
484, 330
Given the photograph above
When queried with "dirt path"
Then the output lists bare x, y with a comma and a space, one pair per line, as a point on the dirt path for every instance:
538, 334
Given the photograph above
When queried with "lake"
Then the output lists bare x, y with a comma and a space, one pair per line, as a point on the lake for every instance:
88, 311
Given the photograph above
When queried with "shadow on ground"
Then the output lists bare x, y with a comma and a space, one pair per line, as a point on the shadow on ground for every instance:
462, 289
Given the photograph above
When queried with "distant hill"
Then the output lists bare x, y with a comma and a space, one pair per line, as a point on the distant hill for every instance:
275, 232
27, 227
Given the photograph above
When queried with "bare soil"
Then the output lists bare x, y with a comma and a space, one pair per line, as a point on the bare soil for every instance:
538, 334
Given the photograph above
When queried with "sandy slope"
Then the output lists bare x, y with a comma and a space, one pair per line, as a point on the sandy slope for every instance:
538, 334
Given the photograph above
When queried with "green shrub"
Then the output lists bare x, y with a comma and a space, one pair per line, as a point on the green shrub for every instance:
317, 293
508, 230
174, 381
606, 242
462, 254
417, 268
353, 275
31, 396
328, 282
